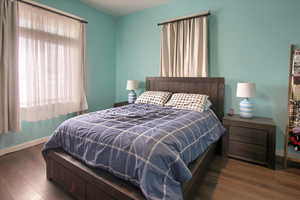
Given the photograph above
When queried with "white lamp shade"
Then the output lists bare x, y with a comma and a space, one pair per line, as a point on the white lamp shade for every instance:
246, 90
132, 85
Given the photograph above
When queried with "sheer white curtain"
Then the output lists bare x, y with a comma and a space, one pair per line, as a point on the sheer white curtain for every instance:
184, 48
51, 64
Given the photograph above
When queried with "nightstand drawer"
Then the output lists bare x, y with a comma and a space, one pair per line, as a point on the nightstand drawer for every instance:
248, 135
248, 152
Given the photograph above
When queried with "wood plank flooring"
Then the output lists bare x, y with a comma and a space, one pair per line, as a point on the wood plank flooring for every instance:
23, 177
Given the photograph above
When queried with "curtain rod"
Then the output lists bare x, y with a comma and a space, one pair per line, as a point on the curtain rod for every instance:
203, 14
56, 11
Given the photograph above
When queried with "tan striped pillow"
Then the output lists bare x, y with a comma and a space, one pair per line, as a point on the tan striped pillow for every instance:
196, 102
154, 97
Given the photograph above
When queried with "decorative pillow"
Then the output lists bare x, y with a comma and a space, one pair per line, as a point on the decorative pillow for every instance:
196, 102
154, 97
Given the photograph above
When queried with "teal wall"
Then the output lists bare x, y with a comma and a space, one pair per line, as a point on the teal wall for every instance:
101, 31
249, 41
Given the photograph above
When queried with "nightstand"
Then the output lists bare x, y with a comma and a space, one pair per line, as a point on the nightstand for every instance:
251, 140
124, 103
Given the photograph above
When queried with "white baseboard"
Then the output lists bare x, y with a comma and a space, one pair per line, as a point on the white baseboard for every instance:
23, 146
291, 155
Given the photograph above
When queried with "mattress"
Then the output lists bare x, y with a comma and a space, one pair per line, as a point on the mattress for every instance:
148, 145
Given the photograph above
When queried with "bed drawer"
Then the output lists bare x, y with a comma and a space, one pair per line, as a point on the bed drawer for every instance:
250, 152
69, 182
94, 192
249, 135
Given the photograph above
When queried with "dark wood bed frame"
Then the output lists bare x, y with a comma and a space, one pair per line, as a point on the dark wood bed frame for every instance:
86, 183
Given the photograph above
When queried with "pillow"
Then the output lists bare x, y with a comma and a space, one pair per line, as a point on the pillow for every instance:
154, 97
196, 102
208, 104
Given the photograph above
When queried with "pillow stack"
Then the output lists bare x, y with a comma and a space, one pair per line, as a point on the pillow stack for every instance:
196, 102
154, 97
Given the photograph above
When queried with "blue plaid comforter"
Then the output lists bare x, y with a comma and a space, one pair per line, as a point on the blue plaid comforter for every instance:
150, 146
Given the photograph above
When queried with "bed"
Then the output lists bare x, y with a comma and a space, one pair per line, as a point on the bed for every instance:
84, 181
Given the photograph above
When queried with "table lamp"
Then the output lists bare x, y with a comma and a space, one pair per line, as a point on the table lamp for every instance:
132, 85
246, 91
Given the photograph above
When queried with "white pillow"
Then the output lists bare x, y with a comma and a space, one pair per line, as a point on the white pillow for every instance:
196, 102
154, 97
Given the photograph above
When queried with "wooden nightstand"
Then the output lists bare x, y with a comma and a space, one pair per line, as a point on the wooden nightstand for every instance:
124, 103
250, 139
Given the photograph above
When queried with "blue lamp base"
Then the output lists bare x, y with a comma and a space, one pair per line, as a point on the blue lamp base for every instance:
131, 96
246, 109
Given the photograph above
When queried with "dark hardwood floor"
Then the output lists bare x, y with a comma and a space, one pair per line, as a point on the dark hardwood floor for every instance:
23, 177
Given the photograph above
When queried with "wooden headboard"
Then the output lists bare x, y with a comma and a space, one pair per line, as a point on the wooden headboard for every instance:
213, 87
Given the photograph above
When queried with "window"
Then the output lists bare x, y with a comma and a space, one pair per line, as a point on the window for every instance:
51, 64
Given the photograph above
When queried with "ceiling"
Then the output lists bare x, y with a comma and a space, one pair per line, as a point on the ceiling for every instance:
123, 7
